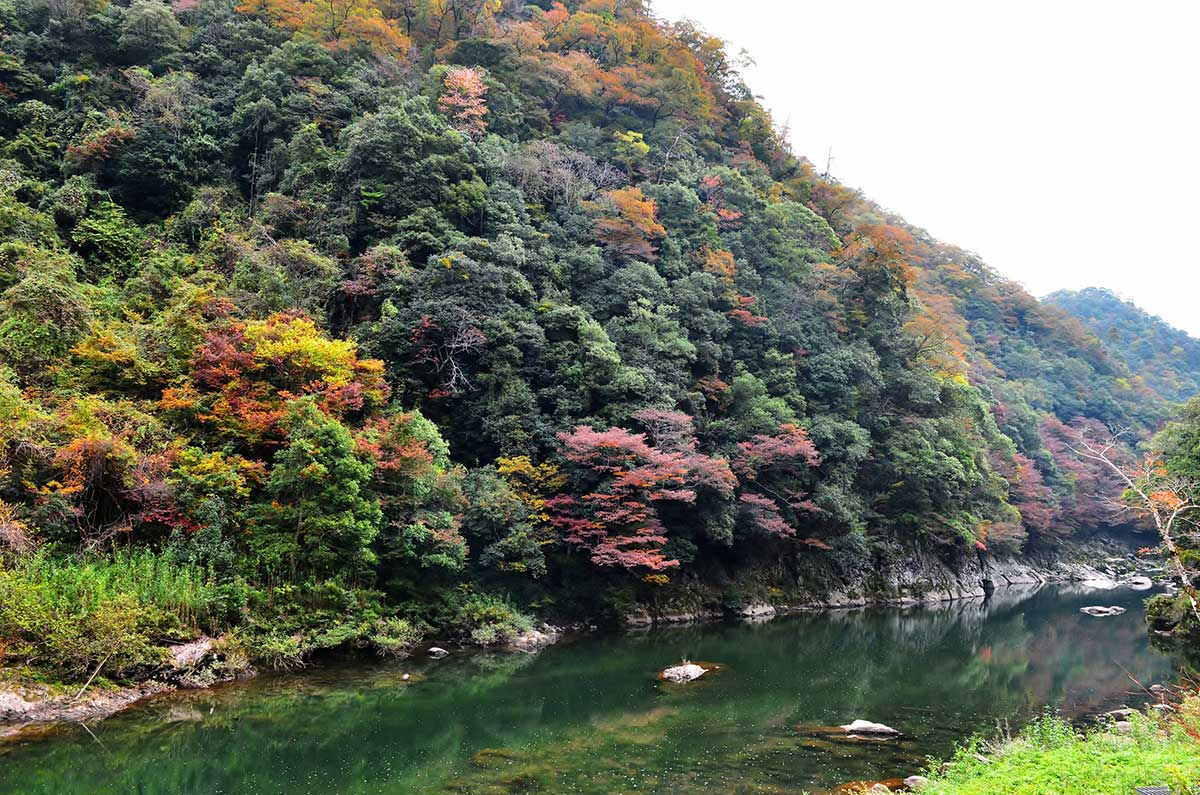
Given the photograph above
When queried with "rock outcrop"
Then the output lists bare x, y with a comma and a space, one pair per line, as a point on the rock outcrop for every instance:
868, 727
685, 672
535, 639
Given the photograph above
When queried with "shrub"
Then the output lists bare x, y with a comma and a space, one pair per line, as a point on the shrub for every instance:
395, 637
489, 620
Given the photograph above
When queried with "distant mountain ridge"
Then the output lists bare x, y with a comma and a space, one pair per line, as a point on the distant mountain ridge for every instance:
1164, 357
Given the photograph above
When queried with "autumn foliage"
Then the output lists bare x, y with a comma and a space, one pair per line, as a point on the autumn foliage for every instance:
463, 100
617, 521
337, 24
627, 224
244, 376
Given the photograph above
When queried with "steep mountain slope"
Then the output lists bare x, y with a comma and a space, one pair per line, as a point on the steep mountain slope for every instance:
357, 317
1163, 357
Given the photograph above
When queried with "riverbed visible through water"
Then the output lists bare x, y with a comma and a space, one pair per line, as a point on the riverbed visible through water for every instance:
590, 716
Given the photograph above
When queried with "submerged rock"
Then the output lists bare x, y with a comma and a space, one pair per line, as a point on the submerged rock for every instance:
1097, 610
687, 672
867, 727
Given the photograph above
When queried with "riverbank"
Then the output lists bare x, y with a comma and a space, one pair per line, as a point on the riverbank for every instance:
27, 705
1051, 757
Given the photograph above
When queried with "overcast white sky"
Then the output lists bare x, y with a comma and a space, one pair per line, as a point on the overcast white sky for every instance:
1059, 138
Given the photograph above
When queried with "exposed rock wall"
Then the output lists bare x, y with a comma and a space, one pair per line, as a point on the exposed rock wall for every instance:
907, 577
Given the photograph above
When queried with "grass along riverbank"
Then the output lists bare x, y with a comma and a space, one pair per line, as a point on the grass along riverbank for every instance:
1051, 757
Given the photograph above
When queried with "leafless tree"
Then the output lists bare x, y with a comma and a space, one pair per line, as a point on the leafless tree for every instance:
447, 346
1170, 501
546, 170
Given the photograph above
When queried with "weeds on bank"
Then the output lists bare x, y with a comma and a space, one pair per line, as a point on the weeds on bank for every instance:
1051, 757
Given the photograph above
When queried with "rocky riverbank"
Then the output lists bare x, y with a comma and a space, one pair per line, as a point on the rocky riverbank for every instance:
29, 708
917, 577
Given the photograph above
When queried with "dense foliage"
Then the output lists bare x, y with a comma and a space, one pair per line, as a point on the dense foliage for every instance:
1164, 358
367, 316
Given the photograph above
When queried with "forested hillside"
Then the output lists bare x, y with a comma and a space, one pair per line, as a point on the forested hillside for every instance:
331, 321
1163, 357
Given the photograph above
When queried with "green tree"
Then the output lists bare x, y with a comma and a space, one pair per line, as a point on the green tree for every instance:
322, 517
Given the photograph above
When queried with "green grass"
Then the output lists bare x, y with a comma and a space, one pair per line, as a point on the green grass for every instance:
68, 615
83, 584
1051, 757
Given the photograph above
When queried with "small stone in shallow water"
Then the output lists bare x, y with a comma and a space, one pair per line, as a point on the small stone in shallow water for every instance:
494, 757
437, 652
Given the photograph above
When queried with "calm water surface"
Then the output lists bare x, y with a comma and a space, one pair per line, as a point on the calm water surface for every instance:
589, 716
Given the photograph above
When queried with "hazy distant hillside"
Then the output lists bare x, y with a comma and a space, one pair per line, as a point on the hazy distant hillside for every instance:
1167, 359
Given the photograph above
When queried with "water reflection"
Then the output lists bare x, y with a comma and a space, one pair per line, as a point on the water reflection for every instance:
589, 716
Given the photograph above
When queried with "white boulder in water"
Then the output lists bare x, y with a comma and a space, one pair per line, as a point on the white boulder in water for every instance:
867, 727
685, 672
1097, 610
1099, 582
1140, 583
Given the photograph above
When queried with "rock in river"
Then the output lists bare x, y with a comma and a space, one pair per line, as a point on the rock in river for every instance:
437, 652
867, 727
686, 672
1139, 583
535, 639
1097, 610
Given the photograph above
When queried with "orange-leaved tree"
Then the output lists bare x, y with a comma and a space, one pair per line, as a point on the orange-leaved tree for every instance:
628, 225
336, 24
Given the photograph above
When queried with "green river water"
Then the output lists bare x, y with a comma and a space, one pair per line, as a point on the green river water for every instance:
589, 715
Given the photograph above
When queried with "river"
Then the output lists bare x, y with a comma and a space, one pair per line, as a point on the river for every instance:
589, 715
